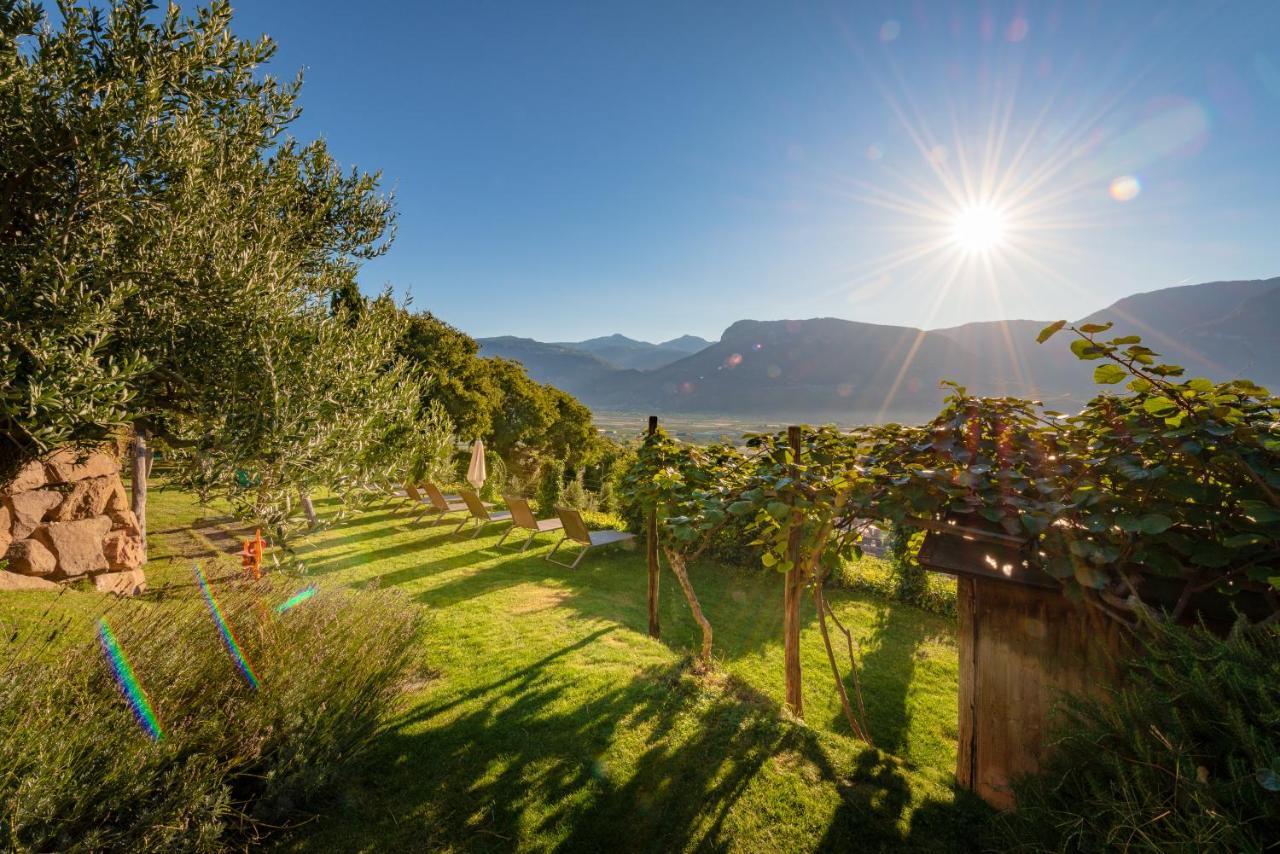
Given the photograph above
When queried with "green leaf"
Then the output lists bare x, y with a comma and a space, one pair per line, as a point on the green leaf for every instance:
1158, 405
1240, 541
1094, 328
1200, 384
1050, 330
1260, 511
1086, 350
1154, 523
1139, 385
1109, 374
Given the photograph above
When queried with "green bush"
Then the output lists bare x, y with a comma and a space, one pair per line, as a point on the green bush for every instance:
1185, 757
550, 486
79, 773
880, 577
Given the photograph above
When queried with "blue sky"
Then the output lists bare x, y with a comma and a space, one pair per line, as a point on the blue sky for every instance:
566, 170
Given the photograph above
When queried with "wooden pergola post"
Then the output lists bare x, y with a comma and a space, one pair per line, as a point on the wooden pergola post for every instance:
792, 592
651, 552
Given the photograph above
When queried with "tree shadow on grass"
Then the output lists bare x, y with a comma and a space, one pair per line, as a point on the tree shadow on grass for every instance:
364, 557
887, 669
526, 761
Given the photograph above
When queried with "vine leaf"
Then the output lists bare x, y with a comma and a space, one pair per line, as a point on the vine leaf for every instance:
1050, 330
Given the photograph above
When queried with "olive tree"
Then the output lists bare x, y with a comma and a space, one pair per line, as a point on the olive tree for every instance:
168, 253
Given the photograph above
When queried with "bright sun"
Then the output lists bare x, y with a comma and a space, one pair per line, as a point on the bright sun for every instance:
978, 228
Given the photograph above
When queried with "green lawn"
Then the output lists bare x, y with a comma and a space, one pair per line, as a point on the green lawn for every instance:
543, 717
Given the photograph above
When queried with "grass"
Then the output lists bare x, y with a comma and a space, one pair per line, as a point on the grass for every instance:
547, 719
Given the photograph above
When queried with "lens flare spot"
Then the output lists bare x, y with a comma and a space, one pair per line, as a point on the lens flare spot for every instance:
733, 361
874, 152
1017, 29
774, 372
1125, 188
889, 31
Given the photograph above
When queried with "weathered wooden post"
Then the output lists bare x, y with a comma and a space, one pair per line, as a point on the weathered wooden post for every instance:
308, 508
141, 468
651, 551
792, 593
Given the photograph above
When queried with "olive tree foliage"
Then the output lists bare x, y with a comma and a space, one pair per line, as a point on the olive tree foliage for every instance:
495, 399
169, 255
355, 425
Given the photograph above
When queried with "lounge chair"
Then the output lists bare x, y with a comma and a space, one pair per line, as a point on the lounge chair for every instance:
479, 513
438, 503
522, 517
576, 530
420, 500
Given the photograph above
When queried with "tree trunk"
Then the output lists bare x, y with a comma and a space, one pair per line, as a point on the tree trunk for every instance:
820, 601
792, 591
676, 561
308, 508
141, 467
651, 549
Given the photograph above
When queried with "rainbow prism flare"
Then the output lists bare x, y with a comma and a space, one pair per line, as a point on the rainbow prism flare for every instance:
228, 637
128, 683
296, 599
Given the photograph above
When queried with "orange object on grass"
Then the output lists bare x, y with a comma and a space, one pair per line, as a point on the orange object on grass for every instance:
251, 555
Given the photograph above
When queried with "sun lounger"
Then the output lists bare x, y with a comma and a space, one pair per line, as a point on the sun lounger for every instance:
522, 518
438, 503
576, 530
479, 513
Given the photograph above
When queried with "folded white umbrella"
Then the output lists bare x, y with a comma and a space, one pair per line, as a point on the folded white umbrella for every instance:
476, 471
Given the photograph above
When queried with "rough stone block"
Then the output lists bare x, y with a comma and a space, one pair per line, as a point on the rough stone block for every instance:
118, 500
87, 498
128, 583
31, 476
6, 519
29, 509
70, 465
126, 521
13, 581
124, 550
77, 545
31, 557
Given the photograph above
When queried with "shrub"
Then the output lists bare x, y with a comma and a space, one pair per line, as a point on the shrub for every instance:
879, 577
1185, 757
77, 772
911, 579
496, 481
576, 495
550, 486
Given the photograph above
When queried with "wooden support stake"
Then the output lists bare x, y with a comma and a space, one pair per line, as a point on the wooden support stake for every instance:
792, 594
651, 550
309, 509
141, 467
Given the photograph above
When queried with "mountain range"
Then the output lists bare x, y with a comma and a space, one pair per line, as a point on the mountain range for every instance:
843, 370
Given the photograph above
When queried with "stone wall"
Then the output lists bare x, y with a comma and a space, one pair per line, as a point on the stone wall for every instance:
67, 518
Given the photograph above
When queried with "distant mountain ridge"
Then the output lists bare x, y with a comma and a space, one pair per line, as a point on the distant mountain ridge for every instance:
833, 369
623, 352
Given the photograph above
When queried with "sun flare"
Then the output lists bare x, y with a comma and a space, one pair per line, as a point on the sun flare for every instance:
979, 228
